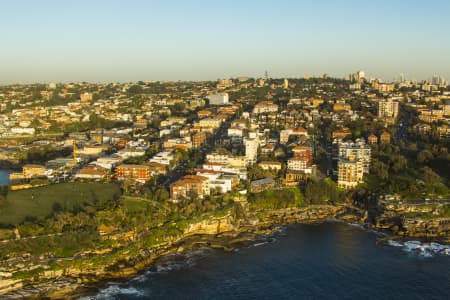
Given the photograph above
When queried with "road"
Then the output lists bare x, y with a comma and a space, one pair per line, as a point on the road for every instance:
180, 169
403, 126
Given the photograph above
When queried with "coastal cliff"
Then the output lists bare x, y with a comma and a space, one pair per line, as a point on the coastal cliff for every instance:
224, 232
134, 251
414, 221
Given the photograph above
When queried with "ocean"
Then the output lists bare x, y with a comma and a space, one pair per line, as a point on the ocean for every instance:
328, 261
4, 176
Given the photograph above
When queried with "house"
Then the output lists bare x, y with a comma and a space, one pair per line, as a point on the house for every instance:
385, 137
204, 114
372, 139
341, 133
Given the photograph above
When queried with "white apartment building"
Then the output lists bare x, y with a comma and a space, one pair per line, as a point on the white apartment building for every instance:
359, 150
163, 158
265, 107
350, 172
218, 99
299, 164
251, 149
387, 109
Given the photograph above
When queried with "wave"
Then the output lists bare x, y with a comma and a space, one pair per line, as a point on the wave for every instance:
358, 225
365, 228
394, 243
165, 264
179, 261
422, 249
260, 244
113, 291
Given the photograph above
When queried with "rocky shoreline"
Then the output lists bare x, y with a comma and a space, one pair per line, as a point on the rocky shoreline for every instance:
220, 233
224, 233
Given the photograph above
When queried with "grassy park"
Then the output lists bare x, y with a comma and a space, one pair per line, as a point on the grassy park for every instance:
42, 202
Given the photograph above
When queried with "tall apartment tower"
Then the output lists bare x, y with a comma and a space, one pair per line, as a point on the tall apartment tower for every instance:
350, 172
388, 109
251, 149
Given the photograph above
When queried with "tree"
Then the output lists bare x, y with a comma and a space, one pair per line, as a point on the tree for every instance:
179, 107
379, 169
135, 89
424, 156
399, 163
162, 195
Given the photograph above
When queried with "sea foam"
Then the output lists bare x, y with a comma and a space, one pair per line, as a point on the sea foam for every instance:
114, 290
421, 249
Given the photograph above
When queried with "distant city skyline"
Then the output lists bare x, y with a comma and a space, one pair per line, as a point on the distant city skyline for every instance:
116, 41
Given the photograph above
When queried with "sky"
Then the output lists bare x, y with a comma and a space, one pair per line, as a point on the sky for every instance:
131, 40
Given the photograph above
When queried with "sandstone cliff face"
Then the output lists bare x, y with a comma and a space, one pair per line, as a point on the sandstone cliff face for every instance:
439, 227
413, 221
211, 226
206, 231
7, 285
303, 214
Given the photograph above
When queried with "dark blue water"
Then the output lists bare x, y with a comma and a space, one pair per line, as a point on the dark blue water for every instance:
328, 261
4, 176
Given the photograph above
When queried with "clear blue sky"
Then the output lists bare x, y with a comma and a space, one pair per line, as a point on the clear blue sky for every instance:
129, 40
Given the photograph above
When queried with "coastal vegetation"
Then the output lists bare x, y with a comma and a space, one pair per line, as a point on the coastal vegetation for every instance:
276, 199
412, 172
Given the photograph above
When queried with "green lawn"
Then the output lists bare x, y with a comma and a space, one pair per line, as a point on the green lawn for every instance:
276, 199
42, 202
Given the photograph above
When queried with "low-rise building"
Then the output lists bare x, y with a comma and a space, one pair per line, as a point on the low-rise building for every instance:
157, 168
198, 139
385, 137
164, 158
92, 172
270, 165
131, 152
294, 177
260, 185
298, 164
218, 99
31, 171
135, 172
341, 133
285, 134
190, 186
372, 139
265, 107
304, 152
209, 123
92, 150
221, 185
